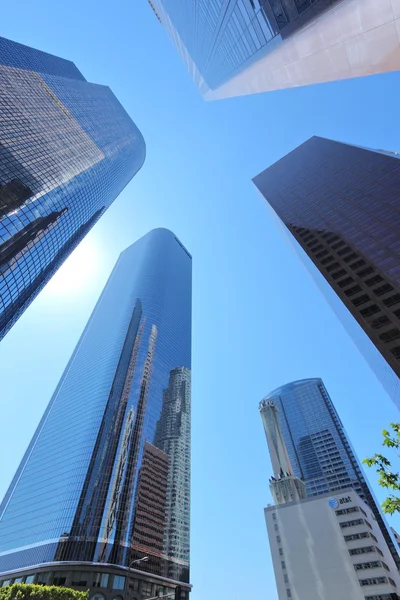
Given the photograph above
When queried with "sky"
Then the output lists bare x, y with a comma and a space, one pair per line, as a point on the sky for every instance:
259, 321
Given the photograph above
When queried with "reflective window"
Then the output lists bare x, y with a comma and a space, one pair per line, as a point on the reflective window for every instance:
118, 582
101, 580
79, 578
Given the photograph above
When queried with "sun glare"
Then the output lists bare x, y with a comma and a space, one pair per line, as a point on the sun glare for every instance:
78, 271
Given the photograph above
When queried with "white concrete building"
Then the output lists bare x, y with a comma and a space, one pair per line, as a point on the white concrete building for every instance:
330, 547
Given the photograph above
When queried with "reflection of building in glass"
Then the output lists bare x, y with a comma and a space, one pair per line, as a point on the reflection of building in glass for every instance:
173, 437
95, 485
340, 203
65, 142
318, 447
237, 47
148, 525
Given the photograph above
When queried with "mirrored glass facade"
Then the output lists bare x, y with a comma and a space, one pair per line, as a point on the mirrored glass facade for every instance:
234, 47
106, 477
341, 205
318, 447
67, 149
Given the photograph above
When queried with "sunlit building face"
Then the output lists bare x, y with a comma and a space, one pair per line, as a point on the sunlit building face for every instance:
67, 149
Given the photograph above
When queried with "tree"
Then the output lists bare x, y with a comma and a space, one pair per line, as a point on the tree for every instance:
387, 477
21, 591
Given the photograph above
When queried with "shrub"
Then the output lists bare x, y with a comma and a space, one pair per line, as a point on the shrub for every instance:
20, 591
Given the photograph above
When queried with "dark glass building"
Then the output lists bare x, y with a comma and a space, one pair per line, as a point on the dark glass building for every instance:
67, 149
105, 480
341, 204
237, 47
317, 444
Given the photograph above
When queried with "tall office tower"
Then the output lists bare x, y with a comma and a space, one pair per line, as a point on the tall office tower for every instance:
341, 205
284, 485
330, 547
238, 47
317, 445
67, 149
105, 483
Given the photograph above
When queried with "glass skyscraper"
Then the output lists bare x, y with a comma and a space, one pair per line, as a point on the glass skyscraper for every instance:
341, 205
67, 149
237, 47
317, 445
106, 477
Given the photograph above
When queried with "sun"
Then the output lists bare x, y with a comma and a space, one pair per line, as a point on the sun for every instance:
77, 271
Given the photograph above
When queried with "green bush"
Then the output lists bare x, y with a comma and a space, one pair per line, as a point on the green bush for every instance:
20, 591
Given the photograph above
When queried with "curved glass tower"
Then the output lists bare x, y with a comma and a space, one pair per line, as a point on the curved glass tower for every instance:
106, 477
318, 447
67, 149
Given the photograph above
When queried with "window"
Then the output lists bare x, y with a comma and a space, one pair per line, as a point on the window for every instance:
365, 272
379, 551
5, 582
59, 578
29, 579
146, 587
350, 257
97, 596
384, 565
338, 244
278, 539
370, 310
373, 280
353, 290
396, 351
42, 578
134, 584
367, 565
274, 516
18, 580
343, 282
344, 251
332, 267
345, 511
79, 578
276, 527
280, 551
358, 264
288, 593
380, 597
392, 334
283, 565
351, 523
118, 582
379, 322
285, 578
339, 274
362, 550
362, 299
384, 289
373, 581
392, 582
373, 537
395, 299
101, 580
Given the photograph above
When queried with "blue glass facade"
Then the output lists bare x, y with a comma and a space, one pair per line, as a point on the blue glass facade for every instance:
341, 205
219, 39
67, 149
317, 444
106, 477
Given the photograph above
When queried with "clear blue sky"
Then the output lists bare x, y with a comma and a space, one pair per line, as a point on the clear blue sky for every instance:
258, 319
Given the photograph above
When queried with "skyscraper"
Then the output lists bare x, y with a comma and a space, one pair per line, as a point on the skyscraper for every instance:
238, 47
106, 478
317, 445
341, 205
67, 149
